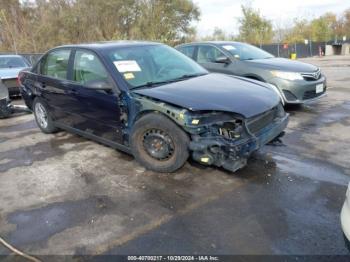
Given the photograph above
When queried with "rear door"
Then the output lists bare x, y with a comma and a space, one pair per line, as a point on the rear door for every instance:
95, 111
207, 56
51, 82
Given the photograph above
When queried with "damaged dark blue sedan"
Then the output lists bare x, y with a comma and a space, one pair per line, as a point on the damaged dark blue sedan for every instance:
153, 102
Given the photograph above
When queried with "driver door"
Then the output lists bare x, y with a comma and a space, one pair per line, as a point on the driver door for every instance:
95, 111
207, 56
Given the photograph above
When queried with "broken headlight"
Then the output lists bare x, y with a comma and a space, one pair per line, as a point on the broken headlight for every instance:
223, 124
231, 130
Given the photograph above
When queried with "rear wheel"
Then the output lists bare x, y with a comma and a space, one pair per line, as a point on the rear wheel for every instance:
159, 144
42, 117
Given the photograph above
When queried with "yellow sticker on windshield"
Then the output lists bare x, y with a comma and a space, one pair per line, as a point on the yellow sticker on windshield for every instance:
129, 76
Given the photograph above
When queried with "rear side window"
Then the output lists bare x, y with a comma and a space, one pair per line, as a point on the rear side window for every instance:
88, 68
55, 64
187, 50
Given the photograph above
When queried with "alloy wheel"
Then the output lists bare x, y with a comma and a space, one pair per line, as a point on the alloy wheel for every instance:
41, 115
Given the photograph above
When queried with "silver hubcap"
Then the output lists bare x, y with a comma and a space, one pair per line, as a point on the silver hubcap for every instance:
41, 115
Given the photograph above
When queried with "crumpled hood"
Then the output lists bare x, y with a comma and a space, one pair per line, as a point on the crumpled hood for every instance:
282, 64
217, 92
10, 72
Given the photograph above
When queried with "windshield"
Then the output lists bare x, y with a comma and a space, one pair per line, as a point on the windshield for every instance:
246, 52
12, 62
153, 64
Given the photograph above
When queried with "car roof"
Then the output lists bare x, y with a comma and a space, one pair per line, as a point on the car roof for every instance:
110, 44
212, 43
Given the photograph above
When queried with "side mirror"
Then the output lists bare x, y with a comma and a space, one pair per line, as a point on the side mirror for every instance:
99, 85
223, 60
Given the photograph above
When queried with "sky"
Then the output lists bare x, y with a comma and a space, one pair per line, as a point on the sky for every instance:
225, 13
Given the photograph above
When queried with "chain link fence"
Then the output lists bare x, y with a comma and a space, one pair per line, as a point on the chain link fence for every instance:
279, 50
300, 49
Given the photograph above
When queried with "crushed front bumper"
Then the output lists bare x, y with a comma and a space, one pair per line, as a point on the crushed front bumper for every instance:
345, 215
233, 154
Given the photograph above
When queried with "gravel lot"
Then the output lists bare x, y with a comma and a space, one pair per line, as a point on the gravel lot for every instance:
63, 194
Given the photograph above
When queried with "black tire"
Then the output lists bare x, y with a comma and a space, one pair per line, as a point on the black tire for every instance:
156, 134
49, 127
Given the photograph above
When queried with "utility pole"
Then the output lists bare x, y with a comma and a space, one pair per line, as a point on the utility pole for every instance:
310, 48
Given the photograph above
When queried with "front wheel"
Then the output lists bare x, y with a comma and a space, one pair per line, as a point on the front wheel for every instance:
42, 117
159, 144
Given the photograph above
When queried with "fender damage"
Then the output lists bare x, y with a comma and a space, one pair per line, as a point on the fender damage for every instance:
223, 139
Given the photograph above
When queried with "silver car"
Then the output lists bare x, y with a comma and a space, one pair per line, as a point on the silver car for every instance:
10, 66
295, 82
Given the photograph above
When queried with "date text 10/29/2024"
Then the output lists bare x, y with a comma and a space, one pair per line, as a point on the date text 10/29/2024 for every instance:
173, 258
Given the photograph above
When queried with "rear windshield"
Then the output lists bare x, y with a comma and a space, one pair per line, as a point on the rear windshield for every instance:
12, 62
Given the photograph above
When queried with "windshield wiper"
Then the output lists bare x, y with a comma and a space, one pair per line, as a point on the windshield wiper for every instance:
183, 77
250, 58
186, 76
150, 84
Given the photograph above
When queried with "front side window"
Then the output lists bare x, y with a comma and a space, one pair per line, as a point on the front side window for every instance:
88, 68
208, 54
153, 64
55, 64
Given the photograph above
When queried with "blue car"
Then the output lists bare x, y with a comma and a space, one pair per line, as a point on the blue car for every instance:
153, 102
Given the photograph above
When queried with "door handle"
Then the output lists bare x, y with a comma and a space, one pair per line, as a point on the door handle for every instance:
72, 91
